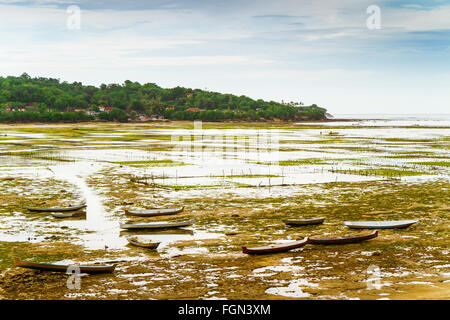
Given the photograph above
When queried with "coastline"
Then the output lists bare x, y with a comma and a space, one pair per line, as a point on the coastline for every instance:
146, 123
379, 174
159, 122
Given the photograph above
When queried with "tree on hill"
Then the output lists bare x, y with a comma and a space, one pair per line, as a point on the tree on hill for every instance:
146, 98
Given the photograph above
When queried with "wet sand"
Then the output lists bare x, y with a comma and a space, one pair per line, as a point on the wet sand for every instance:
237, 197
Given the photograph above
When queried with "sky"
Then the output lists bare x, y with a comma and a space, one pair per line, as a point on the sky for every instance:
348, 56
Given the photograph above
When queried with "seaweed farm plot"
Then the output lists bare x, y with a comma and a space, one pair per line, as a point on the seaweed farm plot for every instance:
236, 182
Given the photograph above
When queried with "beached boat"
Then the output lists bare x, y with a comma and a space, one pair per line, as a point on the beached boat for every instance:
380, 224
157, 225
136, 242
154, 212
57, 209
276, 247
63, 268
68, 214
148, 232
344, 239
62, 214
303, 222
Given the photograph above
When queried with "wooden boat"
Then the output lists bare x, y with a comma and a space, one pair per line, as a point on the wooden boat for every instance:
344, 239
68, 214
380, 224
154, 212
276, 247
62, 214
150, 245
63, 268
57, 209
149, 232
157, 225
304, 222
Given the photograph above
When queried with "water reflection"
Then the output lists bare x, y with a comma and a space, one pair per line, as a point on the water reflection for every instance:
234, 171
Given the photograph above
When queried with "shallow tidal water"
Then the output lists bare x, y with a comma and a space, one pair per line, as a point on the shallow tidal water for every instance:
238, 182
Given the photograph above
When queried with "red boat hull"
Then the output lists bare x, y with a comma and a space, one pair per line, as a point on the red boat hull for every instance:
275, 248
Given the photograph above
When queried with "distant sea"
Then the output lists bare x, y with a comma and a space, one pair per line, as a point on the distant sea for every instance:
398, 117
395, 120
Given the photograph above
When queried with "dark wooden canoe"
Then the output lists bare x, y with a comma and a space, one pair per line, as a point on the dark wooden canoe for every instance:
380, 224
157, 225
154, 212
149, 245
304, 222
169, 231
57, 209
276, 247
63, 268
344, 239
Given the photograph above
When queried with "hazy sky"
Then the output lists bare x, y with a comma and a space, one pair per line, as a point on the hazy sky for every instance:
312, 51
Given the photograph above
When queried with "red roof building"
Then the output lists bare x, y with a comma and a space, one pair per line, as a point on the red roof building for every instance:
194, 109
16, 108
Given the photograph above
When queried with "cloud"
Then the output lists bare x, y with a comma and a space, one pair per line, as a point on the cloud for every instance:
271, 47
278, 16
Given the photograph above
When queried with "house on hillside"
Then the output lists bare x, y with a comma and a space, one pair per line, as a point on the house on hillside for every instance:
91, 112
16, 108
156, 117
189, 95
102, 108
144, 117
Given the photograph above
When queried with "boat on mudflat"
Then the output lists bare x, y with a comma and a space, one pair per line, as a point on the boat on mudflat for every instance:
137, 242
380, 224
157, 225
154, 212
276, 247
63, 268
303, 222
62, 214
148, 232
57, 209
344, 239
68, 214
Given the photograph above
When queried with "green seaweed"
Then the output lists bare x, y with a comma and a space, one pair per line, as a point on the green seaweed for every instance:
383, 172
151, 163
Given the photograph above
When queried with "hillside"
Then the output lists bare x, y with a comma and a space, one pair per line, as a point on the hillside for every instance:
24, 99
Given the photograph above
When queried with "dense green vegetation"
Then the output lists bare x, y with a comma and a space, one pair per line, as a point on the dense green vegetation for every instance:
50, 100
